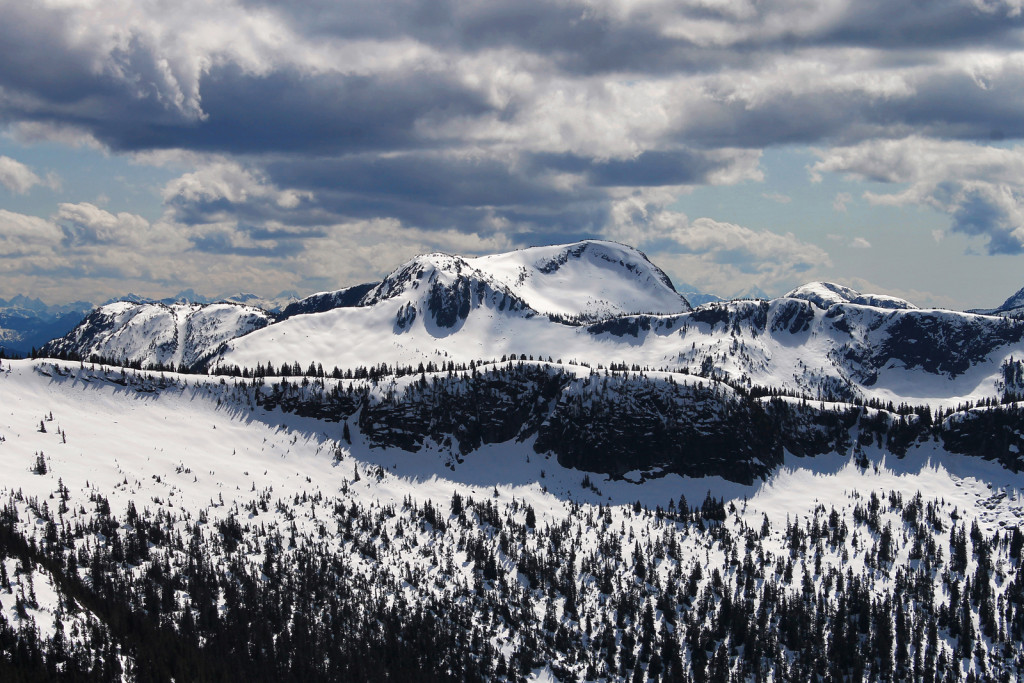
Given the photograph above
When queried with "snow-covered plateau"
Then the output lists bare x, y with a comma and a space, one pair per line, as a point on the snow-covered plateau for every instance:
542, 465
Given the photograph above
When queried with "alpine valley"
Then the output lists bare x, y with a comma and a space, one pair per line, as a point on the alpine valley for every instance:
540, 465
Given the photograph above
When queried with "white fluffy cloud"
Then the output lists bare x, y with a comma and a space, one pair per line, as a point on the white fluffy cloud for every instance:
716, 256
980, 187
841, 200
19, 178
20, 233
88, 224
220, 183
362, 251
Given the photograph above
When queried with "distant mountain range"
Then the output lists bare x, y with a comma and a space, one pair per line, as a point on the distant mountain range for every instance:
27, 323
189, 296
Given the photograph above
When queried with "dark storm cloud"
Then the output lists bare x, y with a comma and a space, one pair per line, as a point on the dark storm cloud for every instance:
221, 244
976, 212
431, 190
287, 111
947, 105
583, 39
921, 24
306, 222
126, 103
36, 61
435, 190
436, 179
958, 106
577, 38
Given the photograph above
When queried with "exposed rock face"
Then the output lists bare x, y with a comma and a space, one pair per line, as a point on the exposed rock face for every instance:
328, 301
622, 422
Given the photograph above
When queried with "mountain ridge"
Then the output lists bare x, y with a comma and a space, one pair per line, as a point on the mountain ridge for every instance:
820, 340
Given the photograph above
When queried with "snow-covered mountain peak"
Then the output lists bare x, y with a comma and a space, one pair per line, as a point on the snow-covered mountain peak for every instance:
413, 278
118, 307
589, 279
826, 294
443, 287
411, 275
160, 334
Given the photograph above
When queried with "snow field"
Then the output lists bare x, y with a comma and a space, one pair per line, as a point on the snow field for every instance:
179, 445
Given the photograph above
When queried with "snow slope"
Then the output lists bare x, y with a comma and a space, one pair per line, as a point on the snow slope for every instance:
184, 450
171, 335
915, 356
826, 294
166, 423
590, 279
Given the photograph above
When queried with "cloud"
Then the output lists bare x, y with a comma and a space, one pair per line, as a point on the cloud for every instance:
750, 251
980, 187
714, 255
607, 80
777, 197
652, 168
20, 233
516, 120
841, 200
221, 189
19, 178
88, 224
860, 243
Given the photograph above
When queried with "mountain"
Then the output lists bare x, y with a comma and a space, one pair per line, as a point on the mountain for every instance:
440, 306
189, 296
826, 294
589, 280
326, 301
694, 295
696, 298
674, 393
538, 466
753, 292
578, 302
175, 335
1013, 306
27, 323
847, 350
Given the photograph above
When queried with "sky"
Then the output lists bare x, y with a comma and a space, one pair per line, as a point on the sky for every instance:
745, 146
